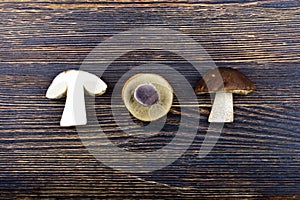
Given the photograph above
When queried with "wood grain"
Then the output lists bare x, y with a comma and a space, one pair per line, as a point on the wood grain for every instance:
256, 157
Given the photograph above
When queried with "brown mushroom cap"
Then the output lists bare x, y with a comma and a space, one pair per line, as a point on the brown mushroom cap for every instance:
226, 80
152, 112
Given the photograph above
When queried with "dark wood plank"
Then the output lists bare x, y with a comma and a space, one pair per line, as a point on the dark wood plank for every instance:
257, 156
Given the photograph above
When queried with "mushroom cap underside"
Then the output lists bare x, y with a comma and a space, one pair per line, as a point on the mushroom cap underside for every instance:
152, 112
224, 79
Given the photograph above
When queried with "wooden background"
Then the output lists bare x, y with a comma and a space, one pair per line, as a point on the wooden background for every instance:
256, 157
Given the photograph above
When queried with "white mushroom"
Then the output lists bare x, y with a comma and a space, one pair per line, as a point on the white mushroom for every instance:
73, 83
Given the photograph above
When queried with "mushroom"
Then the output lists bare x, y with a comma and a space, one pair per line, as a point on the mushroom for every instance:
147, 97
73, 83
224, 82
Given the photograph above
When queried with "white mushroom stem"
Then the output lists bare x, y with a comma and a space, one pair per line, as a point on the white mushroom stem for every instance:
74, 112
222, 109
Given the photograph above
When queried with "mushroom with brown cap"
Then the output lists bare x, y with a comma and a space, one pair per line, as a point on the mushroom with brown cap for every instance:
147, 97
224, 82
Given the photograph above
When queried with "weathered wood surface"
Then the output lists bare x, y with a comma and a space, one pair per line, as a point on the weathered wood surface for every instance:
256, 157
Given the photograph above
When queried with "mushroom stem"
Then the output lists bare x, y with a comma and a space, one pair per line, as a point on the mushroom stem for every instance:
146, 94
74, 112
222, 109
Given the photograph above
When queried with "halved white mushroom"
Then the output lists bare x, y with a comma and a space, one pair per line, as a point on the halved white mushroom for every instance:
73, 83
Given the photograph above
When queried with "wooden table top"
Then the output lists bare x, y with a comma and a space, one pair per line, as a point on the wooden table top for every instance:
256, 157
